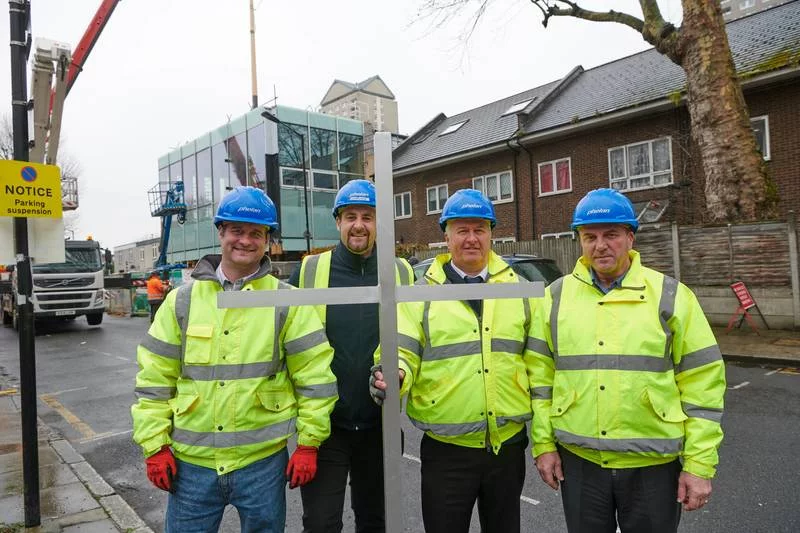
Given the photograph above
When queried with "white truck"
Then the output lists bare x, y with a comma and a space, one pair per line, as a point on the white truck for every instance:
65, 290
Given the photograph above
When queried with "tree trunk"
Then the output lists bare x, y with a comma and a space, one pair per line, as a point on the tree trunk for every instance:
735, 178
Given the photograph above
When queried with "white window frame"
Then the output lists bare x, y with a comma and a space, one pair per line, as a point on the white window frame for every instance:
427, 202
141, 254
440, 244
313, 187
518, 106
747, 4
553, 163
500, 240
452, 128
479, 182
403, 195
155, 251
558, 235
766, 151
627, 179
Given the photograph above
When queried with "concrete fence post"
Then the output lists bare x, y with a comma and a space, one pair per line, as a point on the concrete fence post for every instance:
676, 252
793, 259
730, 253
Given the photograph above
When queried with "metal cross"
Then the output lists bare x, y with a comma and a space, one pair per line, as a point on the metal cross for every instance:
388, 295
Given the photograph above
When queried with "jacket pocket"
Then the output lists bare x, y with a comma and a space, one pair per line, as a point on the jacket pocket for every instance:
562, 401
198, 344
664, 408
183, 403
276, 400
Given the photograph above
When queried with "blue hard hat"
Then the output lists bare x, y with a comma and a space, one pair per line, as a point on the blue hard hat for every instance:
247, 204
604, 206
467, 203
354, 192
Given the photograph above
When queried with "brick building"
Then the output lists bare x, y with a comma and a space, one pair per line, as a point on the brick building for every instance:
621, 125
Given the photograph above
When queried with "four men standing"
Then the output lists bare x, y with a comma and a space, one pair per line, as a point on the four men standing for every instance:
617, 363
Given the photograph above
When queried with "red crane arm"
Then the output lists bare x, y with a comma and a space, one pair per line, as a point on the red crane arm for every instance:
89, 39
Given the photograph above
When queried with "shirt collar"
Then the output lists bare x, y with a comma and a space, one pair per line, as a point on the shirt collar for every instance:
483, 273
616, 284
228, 285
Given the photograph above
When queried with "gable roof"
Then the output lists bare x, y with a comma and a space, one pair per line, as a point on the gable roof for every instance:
340, 88
756, 42
761, 42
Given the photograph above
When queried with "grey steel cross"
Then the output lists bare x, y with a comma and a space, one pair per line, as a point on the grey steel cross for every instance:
388, 295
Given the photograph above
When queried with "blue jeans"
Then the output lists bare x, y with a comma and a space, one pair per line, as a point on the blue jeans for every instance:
258, 491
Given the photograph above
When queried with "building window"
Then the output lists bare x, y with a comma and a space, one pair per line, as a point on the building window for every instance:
141, 254
747, 4
402, 205
437, 196
501, 240
555, 176
155, 251
326, 181
641, 165
559, 235
291, 177
497, 187
519, 106
760, 127
452, 128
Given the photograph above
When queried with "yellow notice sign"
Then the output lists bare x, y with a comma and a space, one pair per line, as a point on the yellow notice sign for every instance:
29, 190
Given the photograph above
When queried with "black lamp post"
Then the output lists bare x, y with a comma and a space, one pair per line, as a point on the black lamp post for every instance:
272, 118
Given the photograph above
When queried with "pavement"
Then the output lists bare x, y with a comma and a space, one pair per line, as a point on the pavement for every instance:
75, 499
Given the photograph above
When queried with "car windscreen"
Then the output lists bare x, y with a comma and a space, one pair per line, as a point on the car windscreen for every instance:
539, 271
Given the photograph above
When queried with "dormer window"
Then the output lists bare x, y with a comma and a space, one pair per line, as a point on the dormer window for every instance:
519, 106
453, 127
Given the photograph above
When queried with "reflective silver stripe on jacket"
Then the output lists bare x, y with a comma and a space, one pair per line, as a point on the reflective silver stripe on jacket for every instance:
161, 348
446, 351
699, 358
230, 439
155, 393
183, 301
226, 372
406, 277
507, 345
519, 419
637, 363
555, 293
306, 342
322, 390
542, 393
709, 413
539, 346
310, 272
638, 445
450, 430
666, 308
409, 343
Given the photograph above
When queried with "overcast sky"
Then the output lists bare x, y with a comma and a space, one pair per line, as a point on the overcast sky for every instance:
167, 71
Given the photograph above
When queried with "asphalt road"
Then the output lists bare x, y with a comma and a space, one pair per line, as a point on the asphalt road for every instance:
85, 379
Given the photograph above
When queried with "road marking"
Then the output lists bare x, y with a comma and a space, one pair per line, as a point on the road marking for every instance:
108, 435
791, 371
8, 392
522, 498
772, 372
740, 385
81, 426
65, 391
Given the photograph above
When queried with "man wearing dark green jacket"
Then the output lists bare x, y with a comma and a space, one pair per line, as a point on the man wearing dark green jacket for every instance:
355, 444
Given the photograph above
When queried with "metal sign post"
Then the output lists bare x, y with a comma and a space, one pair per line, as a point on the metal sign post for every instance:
388, 295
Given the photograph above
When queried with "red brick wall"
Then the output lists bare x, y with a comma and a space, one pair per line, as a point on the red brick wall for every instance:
531, 215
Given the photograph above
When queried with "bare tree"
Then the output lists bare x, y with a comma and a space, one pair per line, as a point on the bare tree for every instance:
737, 187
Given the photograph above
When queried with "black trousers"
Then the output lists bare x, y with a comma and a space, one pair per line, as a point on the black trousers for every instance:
453, 477
359, 454
154, 305
643, 500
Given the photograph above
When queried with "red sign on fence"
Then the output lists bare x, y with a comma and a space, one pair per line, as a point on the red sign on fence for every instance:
743, 295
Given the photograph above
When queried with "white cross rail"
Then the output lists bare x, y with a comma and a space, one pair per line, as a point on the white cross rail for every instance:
388, 295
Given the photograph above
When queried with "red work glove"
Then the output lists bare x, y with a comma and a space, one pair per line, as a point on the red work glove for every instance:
161, 469
302, 466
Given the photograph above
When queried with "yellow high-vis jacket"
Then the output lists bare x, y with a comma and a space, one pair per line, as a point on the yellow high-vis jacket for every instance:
467, 380
631, 378
228, 387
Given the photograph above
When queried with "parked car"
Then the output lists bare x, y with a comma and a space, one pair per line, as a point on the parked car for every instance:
529, 267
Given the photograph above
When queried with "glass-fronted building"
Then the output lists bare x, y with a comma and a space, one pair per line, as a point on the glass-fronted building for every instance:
238, 153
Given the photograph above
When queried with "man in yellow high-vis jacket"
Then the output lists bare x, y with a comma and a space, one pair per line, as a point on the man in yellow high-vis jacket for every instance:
629, 384
220, 391
467, 370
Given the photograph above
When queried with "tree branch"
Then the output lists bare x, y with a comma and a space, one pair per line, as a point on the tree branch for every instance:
574, 10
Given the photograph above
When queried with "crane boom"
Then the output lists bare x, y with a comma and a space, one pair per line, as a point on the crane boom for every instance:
89, 39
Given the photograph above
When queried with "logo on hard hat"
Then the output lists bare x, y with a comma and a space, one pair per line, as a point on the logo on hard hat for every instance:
249, 210
598, 211
472, 206
356, 196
